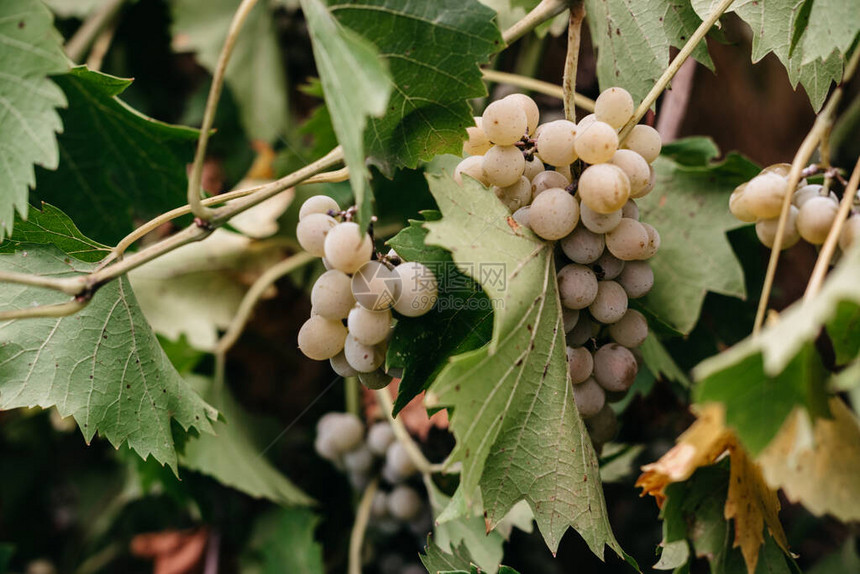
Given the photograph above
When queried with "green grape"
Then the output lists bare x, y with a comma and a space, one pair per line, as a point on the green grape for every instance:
604, 188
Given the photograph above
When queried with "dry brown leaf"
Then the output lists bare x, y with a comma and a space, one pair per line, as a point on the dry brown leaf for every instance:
750, 502
413, 415
818, 465
173, 551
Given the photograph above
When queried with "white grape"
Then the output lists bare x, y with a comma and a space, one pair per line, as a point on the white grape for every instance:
547, 180
614, 106
375, 380
532, 168
569, 318
553, 214
472, 166
608, 266
615, 367
645, 141
850, 232
589, 398
369, 327
603, 426
325, 446
503, 165
653, 241
604, 188
404, 503
815, 219
577, 286
580, 364
515, 196
379, 506
598, 222
631, 330
765, 229
637, 170
398, 463
331, 295
363, 358
375, 286
341, 366
637, 279
582, 246
504, 121
564, 170
521, 216
556, 143
805, 193
630, 210
359, 461
312, 231
738, 205
419, 289
379, 438
346, 431
609, 304
597, 143
478, 142
318, 204
347, 248
628, 241
585, 122
764, 194
321, 338
530, 108
782, 170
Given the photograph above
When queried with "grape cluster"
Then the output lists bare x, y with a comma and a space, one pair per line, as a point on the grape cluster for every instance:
577, 184
352, 302
341, 439
812, 213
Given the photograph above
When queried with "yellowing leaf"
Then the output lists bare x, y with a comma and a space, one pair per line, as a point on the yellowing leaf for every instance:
818, 466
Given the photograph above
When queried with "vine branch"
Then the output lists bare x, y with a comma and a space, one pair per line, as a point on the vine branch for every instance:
359, 527
423, 465
92, 27
574, 29
538, 86
544, 11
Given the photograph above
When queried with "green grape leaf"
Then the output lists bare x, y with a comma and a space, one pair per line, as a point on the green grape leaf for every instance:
660, 362
357, 85
30, 51
437, 560
53, 227
844, 332
231, 456
461, 321
846, 560
833, 26
283, 541
519, 435
679, 22
433, 50
115, 162
689, 208
256, 73
779, 369
103, 365
73, 8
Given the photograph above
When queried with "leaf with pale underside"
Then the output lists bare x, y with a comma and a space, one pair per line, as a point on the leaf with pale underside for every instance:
519, 435
102, 365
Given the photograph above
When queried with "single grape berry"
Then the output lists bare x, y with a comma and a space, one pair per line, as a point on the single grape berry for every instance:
472, 166
503, 165
577, 286
331, 295
532, 168
312, 231
555, 144
504, 122
341, 366
631, 330
580, 364
363, 358
604, 188
321, 338
763, 195
547, 180
318, 204
609, 304
553, 214
404, 503
850, 232
765, 229
603, 426
375, 380
636, 169
347, 248
607, 266
478, 142
645, 141
815, 219
379, 438
515, 196
597, 143
589, 398
615, 367
419, 289
375, 286
630, 210
598, 222
530, 108
369, 327
804, 194
583, 246
569, 318
398, 464
636, 278
628, 241
614, 106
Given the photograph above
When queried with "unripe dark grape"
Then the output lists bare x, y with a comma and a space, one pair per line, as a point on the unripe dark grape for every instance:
631, 330
375, 380
580, 364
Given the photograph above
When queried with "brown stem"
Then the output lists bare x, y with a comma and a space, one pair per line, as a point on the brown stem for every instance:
574, 29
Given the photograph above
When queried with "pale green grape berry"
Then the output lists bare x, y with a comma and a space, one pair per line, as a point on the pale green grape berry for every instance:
645, 141
321, 338
363, 358
504, 122
375, 286
569, 318
577, 286
636, 169
804, 194
347, 248
604, 188
631, 330
603, 426
359, 461
404, 503
609, 304
419, 289
379, 438
312, 231
579, 363
765, 229
556, 143
331, 295
503, 165
615, 367
521, 216
608, 266
478, 142
530, 108
589, 398
597, 144
583, 246
636, 278
738, 205
547, 180
628, 241
340, 366
375, 380
472, 166
614, 106
515, 196
815, 219
764, 194
630, 210
534, 166
598, 222
318, 204
850, 232
553, 214
653, 241
369, 327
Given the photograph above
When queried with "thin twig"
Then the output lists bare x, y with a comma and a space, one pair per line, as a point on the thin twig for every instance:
830, 243
538, 86
359, 527
57, 310
196, 175
78, 44
352, 392
67, 285
674, 66
544, 11
675, 102
101, 45
574, 29
423, 465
